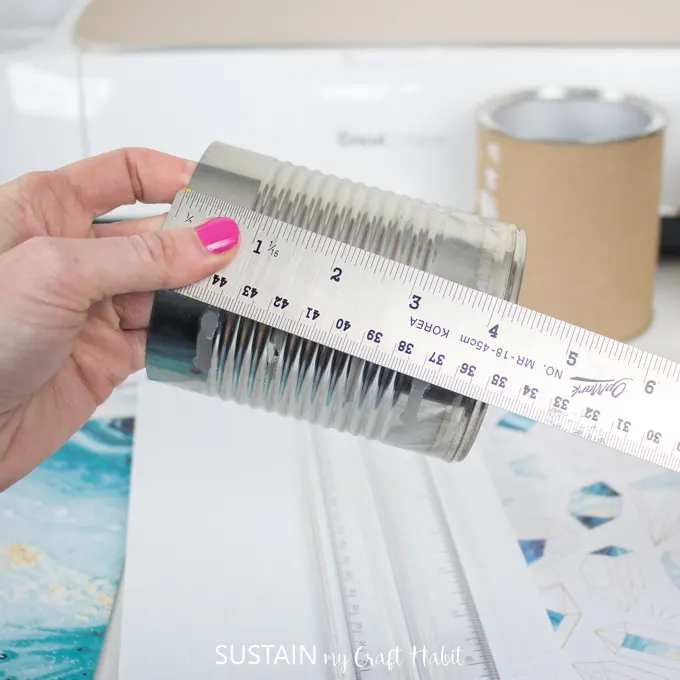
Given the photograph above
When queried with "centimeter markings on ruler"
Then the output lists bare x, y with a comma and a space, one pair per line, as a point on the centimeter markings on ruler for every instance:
431, 580
434, 330
396, 568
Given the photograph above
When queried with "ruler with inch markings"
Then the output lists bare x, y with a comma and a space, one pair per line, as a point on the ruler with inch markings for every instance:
432, 329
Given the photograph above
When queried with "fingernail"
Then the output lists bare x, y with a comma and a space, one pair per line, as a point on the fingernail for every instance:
219, 234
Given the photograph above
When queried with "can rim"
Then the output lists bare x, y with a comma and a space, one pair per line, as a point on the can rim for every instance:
658, 118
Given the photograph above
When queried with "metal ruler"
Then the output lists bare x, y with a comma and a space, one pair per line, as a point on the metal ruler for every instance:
429, 328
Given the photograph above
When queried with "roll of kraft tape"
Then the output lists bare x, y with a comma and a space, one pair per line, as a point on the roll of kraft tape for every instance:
580, 171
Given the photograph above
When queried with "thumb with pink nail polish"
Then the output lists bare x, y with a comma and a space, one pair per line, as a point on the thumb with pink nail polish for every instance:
189, 254
149, 261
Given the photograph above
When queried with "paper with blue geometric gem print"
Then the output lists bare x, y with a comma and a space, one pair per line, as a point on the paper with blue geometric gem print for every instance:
600, 533
62, 542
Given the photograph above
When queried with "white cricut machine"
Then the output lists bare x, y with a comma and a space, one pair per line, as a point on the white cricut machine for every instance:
383, 92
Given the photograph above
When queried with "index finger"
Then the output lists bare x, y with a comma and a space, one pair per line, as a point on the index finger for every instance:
124, 176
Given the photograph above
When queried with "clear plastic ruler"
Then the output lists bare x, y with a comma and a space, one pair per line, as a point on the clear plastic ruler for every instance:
443, 333
396, 593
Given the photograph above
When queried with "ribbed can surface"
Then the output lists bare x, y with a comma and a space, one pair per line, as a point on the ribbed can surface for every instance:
262, 367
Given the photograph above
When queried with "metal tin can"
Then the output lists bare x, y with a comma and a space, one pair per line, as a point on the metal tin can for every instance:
256, 365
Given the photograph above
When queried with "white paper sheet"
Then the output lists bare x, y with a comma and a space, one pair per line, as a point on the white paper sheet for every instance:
219, 548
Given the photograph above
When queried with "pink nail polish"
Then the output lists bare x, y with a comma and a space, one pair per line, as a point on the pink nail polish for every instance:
219, 234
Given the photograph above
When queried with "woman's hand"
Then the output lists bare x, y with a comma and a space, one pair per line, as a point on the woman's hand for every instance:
75, 298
